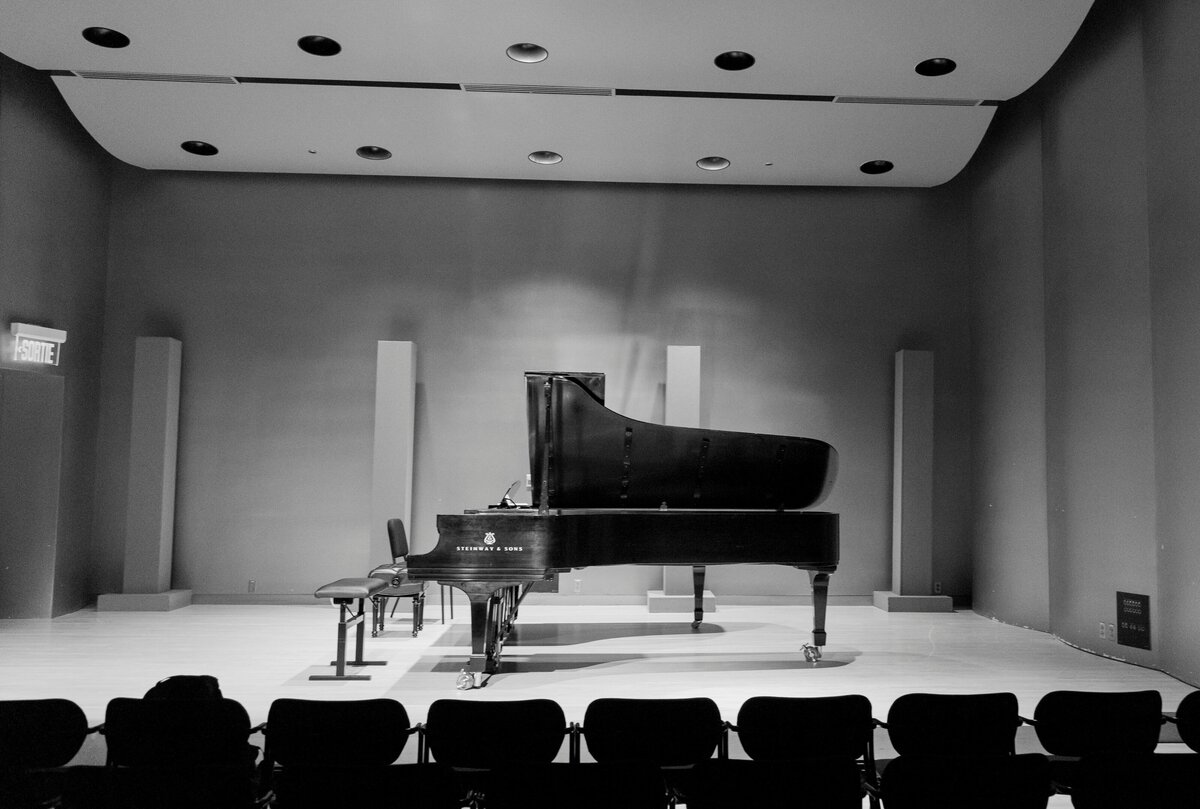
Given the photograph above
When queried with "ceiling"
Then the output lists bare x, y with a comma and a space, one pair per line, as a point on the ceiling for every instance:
629, 91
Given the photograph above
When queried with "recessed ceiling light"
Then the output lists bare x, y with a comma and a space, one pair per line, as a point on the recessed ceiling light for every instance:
105, 37
198, 147
938, 66
527, 52
876, 167
372, 153
734, 60
713, 163
319, 45
545, 158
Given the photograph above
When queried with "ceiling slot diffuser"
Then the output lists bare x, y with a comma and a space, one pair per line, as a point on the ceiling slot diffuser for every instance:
541, 89
176, 77
919, 102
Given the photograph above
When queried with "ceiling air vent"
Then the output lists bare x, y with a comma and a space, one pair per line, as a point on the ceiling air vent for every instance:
542, 89
177, 77
919, 102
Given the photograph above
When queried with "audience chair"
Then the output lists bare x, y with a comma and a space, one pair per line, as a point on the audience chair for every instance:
1073, 724
476, 739
181, 752
1142, 780
827, 783
945, 781
959, 749
332, 753
399, 586
800, 729
673, 734
587, 785
1187, 720
38, 739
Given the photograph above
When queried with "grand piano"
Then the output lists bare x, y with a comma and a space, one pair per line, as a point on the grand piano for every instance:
610, 490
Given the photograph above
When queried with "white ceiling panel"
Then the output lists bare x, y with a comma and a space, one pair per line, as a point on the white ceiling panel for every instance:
665, 103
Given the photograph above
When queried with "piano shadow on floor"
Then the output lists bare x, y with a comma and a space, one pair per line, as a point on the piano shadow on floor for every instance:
571, 634
632, 663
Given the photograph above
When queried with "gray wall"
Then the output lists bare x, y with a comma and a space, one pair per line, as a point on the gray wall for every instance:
54, 204
279, 286
1085, 338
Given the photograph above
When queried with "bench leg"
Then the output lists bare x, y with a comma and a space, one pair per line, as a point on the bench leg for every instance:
348, 619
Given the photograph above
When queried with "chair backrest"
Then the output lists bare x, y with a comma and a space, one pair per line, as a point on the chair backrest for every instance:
1075, 723
490, 734
667, 732
176, 732
38, 733
951, 724
305, 732
398, 538
790, 728
1187, 717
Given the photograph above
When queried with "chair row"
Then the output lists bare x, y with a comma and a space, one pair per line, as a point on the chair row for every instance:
625, 752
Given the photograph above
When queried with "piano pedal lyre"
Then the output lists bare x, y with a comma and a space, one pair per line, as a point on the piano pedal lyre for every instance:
811, 653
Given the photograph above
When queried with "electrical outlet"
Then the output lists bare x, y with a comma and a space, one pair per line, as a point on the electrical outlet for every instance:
1112, 632
528, 480
250, 587
937, 588
578, 584
1103, 631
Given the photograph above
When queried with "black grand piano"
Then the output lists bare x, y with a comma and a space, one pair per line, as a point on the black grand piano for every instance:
609, 490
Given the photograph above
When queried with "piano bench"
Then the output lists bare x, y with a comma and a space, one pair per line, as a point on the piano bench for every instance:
344, 592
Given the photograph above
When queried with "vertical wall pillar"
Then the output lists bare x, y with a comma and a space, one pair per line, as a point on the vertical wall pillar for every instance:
31, 426
681, 409
912, 490
395, 423
150, 508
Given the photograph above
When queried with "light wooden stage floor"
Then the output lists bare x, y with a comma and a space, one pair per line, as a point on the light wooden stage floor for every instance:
571, 654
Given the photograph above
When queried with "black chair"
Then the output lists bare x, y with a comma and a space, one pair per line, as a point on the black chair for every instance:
672, 734
828, 783
959, 750
182, 752
801, 729
476, 739
333, 753
944, 781
38, 739
1143, 780
586, 785
399, 586
1074, 724
1187, 720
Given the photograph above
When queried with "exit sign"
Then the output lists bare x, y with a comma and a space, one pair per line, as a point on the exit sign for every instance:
37, 345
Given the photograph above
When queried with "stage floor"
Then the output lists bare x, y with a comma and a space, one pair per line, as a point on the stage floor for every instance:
571, 654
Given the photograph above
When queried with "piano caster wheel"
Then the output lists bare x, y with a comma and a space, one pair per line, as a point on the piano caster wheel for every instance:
466, 680
811, 653
695, 624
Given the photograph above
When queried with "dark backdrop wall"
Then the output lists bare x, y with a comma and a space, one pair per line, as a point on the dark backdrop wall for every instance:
1086, 333
279, 287
54, 205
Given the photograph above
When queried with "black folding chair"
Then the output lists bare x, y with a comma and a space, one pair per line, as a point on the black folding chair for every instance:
182, 752
959, 750
672, 734
477, 738
332, 753
38, 739
800, 729
1074, 724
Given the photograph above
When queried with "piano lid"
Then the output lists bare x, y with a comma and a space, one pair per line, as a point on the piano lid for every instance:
583, 455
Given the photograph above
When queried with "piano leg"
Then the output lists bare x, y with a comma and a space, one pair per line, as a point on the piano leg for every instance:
698, 590
820, 592
493, 613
